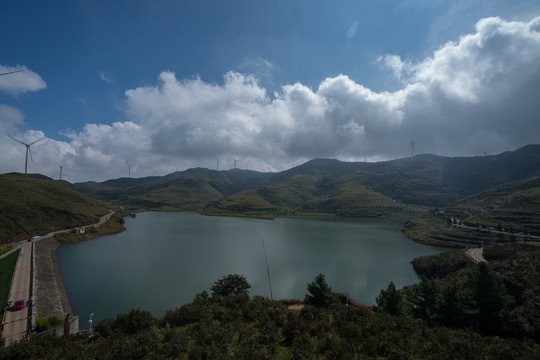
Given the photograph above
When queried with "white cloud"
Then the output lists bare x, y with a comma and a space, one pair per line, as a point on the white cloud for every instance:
20, 81
105, 77
478, 93
10, 119
394, 63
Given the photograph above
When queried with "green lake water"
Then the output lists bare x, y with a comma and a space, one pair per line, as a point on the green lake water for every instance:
163, 259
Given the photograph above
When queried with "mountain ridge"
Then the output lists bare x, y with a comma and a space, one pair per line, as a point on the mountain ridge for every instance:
424, 180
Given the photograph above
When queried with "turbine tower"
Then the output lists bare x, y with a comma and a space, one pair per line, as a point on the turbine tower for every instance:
413, 149
61, 167
129, 169
27, 151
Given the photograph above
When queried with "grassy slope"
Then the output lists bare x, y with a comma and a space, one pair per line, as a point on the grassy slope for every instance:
324, 186
7, 267
33, 205
515, 206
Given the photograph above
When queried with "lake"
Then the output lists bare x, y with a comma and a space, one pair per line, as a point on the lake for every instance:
163, 259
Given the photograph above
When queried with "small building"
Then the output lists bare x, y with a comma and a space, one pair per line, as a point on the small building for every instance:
77, 231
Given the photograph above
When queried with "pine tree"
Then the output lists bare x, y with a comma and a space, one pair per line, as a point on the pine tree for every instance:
390, 301
320, 294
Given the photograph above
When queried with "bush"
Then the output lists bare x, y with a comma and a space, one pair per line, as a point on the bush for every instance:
44, 323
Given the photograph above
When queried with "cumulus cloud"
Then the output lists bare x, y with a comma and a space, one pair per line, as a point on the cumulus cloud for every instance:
394, 63
10, 119
476, 94
21, 80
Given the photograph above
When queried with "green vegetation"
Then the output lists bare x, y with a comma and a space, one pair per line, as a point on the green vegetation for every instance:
492, 189
495, 298
31, 205
5, 249
44, 323
321, 295
230, 285
112, 226
390, 301
7, 267
231, 325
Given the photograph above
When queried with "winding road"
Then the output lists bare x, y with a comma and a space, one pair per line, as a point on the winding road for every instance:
476, 255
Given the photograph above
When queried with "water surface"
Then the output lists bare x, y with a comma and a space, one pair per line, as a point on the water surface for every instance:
163, 259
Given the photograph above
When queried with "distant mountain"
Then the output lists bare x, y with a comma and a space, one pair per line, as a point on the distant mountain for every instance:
189, 190
324, 185
34, 204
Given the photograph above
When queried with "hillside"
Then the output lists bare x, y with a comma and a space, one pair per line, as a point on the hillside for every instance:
189, 190
318, 187
513, 208
324, 186
509, 204
35, 204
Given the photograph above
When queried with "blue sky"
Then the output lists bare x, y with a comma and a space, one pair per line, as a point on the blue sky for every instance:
169, 85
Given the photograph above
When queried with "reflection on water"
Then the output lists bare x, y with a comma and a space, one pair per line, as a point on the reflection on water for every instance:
163, 259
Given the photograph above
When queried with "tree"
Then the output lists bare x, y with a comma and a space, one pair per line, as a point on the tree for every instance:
453, 308
230, 285
390, 301
131, 323
427, 300
491, 298
320, 294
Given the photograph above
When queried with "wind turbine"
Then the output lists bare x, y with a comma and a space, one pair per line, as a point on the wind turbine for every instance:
61, 167
11, 72
413, 149
27, 151
129, 169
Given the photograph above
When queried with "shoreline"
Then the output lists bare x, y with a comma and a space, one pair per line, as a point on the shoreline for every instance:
57, 285
51, 294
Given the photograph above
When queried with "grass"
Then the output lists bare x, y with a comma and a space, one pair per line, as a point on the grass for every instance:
113, 226
5, 249
45, 323
32, 205
7, 267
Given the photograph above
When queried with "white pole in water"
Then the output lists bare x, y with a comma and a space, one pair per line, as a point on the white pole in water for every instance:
267, 270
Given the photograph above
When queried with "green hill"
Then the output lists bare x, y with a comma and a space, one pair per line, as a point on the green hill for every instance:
324, 186
504, 205
189, 190
35, 204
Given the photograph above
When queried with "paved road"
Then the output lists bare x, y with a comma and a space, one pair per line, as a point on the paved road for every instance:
476, 255
16, 321
15, 327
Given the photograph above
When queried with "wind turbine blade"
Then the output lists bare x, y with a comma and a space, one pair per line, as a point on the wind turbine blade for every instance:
30, 151
11, 72
19, 141
36, 141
